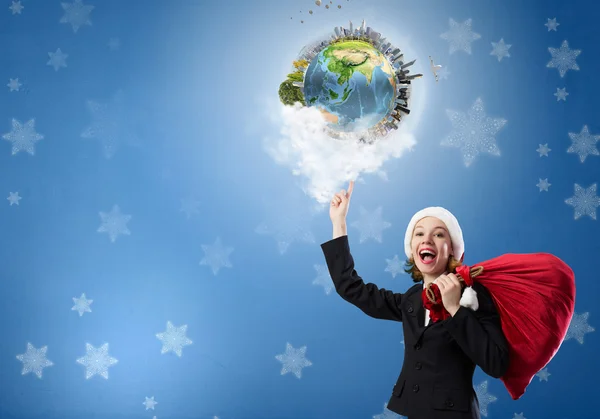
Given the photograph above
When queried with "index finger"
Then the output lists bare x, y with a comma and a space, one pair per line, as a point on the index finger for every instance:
350, 188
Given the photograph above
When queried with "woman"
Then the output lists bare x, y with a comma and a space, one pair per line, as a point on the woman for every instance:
436, 380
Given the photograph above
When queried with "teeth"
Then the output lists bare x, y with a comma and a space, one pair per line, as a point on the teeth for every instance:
427, 251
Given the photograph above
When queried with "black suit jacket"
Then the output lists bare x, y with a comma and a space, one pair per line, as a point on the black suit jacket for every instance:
436, 381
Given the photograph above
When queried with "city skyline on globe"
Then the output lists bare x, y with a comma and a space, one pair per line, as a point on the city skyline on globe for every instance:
357, 79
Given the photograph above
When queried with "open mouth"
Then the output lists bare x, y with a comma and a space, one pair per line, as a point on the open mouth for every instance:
427, 256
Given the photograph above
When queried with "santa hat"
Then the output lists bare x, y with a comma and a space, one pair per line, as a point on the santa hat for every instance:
469, 297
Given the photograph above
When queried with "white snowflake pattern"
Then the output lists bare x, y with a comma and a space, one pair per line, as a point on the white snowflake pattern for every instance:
82, 305
563, 58
23, 136
473, 132
561, 94
585, 201
552, 24
543, 150
371, 224
293, 360
34, 360
323, 278
519, 416
443, 73
388, 414
57, 59
543, 374
189, 206
460, 36
500, 49
114, 223
484, 397
543, 184
149, 403
77, 14
16, 7
96, 361
216, 256
394, 266
111, 125
14, 85
578, 327
14, 198
584, 143
174, 339
114, 44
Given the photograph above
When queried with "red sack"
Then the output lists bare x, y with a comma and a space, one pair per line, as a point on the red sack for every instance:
535, 298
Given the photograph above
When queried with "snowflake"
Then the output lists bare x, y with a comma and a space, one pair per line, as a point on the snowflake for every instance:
543, 150
293, 360
394, 266
443, 73
96, 361
484, 397
370, 225
189, 206
16, 7
474, 132
114, 223
14, 198
34, 360
552, 25
57, 59
585, 201
110, 125
578, 327
77, 14
150, 403
584, 143
114, 44
388, 414
82, 305
14, 85
216, 256
561, 94
563, 58
543, 374
174, 339
500, 49
460, 36
543, 185
323, 278
23, 137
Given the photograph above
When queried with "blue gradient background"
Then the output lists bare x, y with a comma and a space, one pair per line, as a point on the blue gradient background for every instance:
194, 74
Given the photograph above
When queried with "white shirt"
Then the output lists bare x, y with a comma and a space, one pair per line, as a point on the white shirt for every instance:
426, 311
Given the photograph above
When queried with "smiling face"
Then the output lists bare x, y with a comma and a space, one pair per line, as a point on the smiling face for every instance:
431, 247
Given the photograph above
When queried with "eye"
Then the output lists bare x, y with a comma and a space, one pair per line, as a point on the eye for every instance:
418, 234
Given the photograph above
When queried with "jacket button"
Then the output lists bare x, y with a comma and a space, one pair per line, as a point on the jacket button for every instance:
418, 365
416, 388
449, 403
418, 346
410, 309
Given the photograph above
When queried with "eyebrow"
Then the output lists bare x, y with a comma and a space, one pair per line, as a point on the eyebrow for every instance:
435, 228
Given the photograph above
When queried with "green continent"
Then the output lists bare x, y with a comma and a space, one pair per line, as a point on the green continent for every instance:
349, 56
333, 94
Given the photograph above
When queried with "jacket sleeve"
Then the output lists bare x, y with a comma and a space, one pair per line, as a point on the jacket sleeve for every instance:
373, 301
479, 334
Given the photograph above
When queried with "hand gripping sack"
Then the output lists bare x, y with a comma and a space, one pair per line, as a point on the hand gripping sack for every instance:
535, 298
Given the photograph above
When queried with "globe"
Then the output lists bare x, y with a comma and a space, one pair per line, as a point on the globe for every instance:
352, 84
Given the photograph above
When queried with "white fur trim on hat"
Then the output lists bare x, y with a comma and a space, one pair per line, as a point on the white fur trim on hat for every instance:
458, 245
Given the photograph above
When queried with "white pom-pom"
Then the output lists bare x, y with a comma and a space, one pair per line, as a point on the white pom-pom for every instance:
469, 299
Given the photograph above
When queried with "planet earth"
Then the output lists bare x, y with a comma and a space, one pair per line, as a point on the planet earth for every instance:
352, 84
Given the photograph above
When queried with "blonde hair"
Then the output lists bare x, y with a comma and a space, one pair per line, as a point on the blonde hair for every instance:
417, 276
